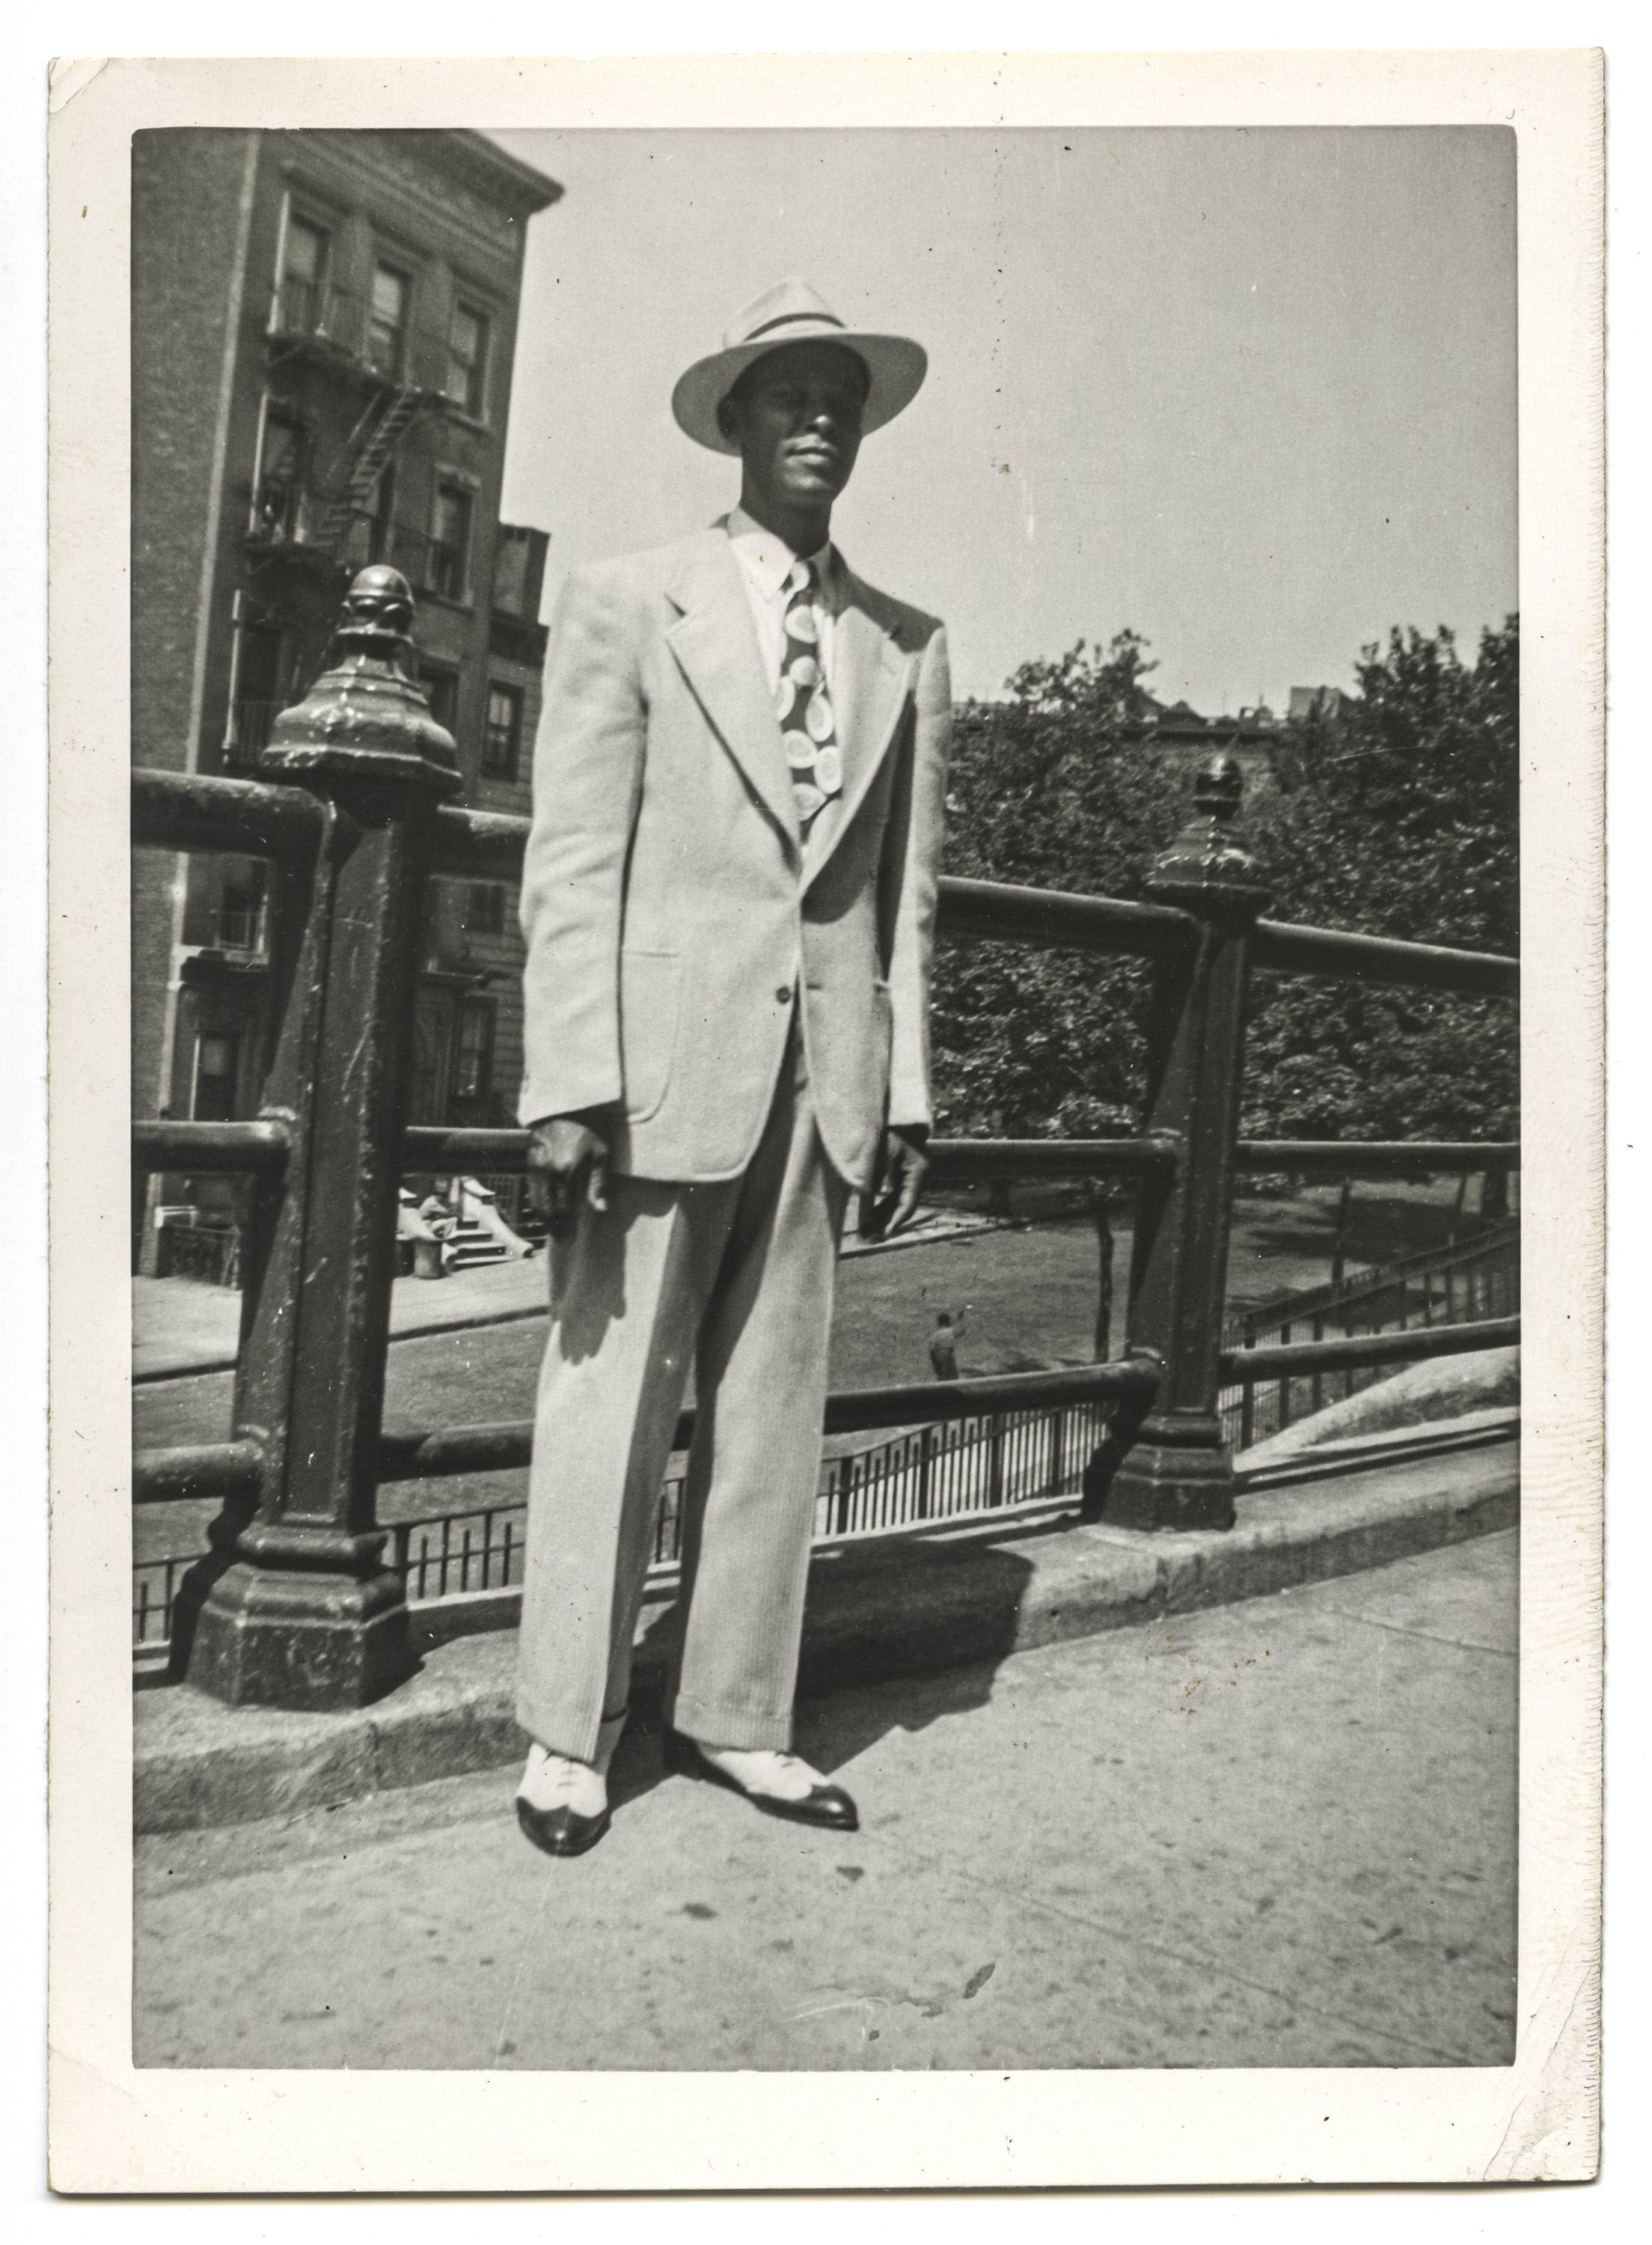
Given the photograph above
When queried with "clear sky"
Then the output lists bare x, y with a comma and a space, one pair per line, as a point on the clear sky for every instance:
1251, 394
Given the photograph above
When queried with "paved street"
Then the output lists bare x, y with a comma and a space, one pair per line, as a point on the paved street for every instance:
1280, 1834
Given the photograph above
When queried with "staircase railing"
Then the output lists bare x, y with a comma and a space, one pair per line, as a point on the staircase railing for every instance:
1465, 1284
297, 1603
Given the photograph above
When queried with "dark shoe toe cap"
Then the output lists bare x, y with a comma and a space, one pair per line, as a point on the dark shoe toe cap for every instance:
560, 1831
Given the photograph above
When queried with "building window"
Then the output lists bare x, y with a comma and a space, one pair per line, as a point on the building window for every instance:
300, 300
431, 1030
449, 568
502, 734
442, 688
241, 912
484, 908
467, 358
215, 1061
387, 321
258, 696
280, 477
368, 537
474, 1072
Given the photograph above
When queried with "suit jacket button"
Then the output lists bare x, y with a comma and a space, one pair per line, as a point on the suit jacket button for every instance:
782, 994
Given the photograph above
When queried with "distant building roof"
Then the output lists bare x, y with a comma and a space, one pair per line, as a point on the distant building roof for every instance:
1308, 701
1180, 721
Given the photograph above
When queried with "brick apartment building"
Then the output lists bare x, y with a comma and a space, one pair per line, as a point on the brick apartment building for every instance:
323, 329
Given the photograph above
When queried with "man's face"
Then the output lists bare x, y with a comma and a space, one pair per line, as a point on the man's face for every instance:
796, 418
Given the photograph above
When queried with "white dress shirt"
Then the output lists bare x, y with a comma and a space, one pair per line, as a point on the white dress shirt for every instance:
765, 563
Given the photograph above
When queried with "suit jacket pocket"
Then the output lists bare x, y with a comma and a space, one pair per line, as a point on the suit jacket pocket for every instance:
650, 987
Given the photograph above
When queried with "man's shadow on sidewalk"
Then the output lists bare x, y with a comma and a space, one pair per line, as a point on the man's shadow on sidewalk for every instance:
892, 1641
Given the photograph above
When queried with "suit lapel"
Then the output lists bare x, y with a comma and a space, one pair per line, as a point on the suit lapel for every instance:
870, 681
715, 644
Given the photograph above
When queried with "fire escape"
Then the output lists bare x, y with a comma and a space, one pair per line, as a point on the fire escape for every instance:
335, 520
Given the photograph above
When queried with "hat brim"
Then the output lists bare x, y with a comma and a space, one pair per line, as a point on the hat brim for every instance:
895, 366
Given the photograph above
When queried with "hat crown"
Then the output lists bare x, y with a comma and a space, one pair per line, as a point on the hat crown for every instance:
789, 303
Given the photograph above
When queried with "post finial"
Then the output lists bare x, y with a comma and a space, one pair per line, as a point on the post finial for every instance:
1210, 863
364, 718
1219, 786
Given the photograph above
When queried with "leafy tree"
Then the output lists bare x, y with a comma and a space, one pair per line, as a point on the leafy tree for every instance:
1399, 816
1050, 788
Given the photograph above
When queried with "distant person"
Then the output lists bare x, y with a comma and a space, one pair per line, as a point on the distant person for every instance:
729, 900
943, 1347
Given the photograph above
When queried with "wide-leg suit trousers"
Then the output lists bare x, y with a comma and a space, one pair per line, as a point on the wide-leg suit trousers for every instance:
737, 1278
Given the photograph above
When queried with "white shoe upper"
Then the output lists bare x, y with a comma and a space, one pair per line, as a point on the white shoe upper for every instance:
553, 1780
777, 1776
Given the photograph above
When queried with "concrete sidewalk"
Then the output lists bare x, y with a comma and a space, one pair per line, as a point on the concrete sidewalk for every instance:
181, 1328
1281, 1833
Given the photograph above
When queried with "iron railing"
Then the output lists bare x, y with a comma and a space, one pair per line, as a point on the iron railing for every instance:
339, 321
1443, 1286
297, 1603
1001, 1460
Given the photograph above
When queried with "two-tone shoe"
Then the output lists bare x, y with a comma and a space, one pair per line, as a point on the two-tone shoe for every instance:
779, 1784
562, 1804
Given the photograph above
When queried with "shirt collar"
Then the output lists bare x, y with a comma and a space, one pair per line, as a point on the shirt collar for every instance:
767, 558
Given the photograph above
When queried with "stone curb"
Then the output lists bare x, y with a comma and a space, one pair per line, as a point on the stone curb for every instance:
898, 1607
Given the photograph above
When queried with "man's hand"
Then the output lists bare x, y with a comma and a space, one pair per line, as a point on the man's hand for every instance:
569, 1153
900, 1185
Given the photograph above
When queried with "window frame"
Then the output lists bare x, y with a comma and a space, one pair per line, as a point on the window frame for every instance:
397, 371
490, 920
230, 1075
300, 221
450, 487
510, 767
474, 401
473, 1007
281, 524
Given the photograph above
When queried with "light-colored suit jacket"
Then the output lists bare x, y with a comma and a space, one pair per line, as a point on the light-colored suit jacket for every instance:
672, 911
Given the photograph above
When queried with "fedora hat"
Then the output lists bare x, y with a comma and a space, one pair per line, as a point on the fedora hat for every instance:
792, 312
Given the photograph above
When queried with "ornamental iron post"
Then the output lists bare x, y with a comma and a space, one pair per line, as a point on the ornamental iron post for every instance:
295, 1606
1172, 1468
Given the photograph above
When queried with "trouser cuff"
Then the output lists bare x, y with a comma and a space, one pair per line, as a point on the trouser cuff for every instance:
739, 1727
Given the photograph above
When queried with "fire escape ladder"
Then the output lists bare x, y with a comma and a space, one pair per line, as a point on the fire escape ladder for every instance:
383, 434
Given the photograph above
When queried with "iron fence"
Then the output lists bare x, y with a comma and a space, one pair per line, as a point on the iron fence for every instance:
354, 806
924, 1474
155, 1587
1478, 1281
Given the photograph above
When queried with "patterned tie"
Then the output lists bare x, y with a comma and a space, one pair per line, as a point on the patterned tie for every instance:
801, 701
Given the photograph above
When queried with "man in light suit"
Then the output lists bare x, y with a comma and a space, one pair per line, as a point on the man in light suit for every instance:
728, 898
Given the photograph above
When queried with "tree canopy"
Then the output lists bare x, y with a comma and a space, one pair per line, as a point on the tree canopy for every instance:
1398, 815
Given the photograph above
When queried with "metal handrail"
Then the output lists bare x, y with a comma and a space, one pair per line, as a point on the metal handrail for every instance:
242, 1148
164, 1476
189, 811
225, 1469
1340, 956
243, 818
1292, 1358
260, 1147
1375, 1157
